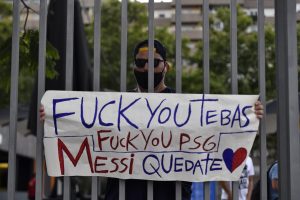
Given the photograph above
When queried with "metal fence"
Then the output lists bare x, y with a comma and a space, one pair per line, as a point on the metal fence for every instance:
287, 87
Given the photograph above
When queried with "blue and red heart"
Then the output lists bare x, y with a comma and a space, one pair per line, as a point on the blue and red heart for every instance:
234, 159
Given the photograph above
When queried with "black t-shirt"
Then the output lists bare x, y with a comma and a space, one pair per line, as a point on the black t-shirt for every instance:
137, 189
168, 90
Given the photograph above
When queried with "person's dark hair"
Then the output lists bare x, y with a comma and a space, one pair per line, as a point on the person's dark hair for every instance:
160, 49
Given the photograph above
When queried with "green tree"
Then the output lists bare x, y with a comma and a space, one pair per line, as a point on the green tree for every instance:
28, 60
247, 55
5, 22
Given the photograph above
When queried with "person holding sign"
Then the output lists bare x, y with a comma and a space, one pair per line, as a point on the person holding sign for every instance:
136, 189
163, 190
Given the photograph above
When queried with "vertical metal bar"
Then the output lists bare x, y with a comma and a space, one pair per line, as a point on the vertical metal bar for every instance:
262, 89
13, 114
123, 74
95, 187
96, 79
121, 189
178, 70
41, 90
235, 190
287, 106
69, 75
205, 10
69, 44
150, 71
178, 47
234, 71
67, 188
178, 189
233, 46
124, 46
206, 45
151, 46
97, 40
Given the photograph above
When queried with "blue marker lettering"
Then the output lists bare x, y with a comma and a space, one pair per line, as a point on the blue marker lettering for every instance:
186, 165
168, 115
121, 113
60, 115
178, 164
100, 118
245, 115
82, 114
198, 164
163, 165
202, 106
151, 166
187, 119
207, 159
208, 116
152, 112
223, 117
236, 116
216, 165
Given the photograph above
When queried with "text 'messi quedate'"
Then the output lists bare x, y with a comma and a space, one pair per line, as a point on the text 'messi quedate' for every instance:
188, 137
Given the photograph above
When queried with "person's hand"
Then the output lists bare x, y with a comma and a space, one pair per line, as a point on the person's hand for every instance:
259, 109
42, 113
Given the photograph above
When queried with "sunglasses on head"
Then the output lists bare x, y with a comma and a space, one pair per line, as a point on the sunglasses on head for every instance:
140, 62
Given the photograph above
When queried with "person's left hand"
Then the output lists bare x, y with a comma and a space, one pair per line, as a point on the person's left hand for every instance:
259, 109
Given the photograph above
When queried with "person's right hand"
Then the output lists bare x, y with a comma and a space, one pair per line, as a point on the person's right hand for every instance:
42, 113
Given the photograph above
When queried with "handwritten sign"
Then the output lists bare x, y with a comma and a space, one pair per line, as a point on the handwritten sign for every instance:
188, 137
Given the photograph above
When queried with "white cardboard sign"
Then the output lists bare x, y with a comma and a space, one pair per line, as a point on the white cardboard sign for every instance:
188, 137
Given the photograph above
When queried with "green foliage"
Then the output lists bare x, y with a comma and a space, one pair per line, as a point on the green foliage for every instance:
111, 37
28, 64
192, 69
192, 74
137, 31
270, 62
5, 21
247, 48
28, 58
5, 9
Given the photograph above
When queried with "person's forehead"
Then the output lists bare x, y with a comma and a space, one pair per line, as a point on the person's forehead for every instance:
143, 52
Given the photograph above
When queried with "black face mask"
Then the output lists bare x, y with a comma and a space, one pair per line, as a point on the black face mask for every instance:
142, 78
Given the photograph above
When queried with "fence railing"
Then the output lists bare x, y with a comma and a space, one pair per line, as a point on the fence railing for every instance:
287, 87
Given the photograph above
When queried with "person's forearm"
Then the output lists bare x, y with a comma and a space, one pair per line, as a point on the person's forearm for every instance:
250, 188
249, 196
275, 184
225, 187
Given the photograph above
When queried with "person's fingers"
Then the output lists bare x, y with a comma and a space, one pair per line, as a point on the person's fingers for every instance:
259, 109
259, 115
42, 113
258, 103
42, 116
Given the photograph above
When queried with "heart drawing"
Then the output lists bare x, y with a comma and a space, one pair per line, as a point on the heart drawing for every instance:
234, 159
